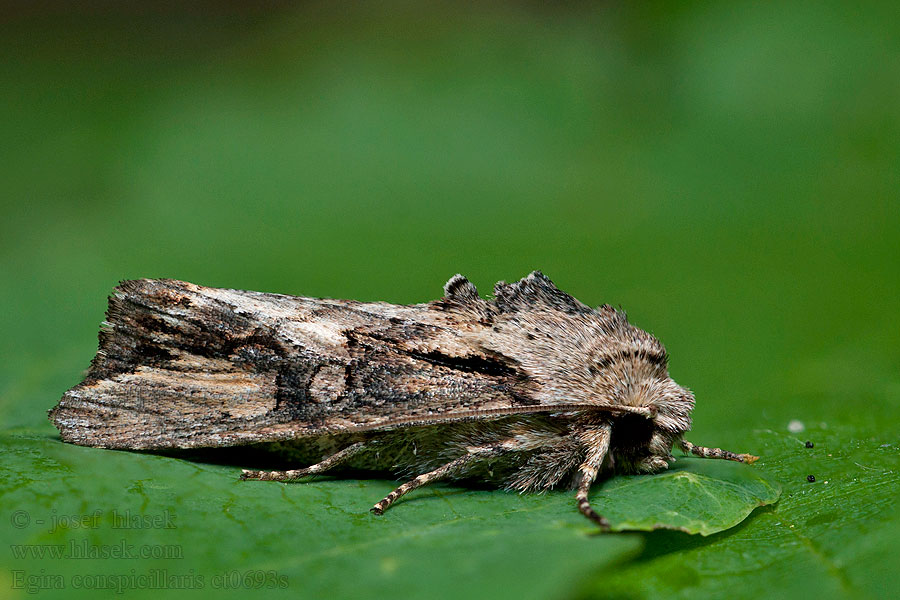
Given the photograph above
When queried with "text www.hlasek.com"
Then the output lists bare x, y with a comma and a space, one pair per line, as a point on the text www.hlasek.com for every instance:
81, 549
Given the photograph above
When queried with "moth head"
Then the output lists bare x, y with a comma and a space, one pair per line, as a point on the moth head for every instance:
629, 366
643, 443
668, 404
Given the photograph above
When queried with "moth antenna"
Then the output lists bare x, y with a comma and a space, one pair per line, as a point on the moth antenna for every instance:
332, 461
596, 439
442, 472
704, 452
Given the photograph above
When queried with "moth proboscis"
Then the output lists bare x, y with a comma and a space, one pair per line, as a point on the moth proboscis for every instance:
529, 390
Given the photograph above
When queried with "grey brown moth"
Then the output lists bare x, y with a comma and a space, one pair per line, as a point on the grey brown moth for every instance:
529, 390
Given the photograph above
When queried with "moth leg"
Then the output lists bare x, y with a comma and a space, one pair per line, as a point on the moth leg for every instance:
440, 473
596, 440
703, 452
320, 467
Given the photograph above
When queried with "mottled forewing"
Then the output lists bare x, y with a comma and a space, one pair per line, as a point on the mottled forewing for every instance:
183, 366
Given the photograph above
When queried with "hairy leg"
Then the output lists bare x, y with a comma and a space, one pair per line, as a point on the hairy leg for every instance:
703, 452
454, 466
329, 463
596, 439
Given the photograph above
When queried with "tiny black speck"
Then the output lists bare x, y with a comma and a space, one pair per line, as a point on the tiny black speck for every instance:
811, 478
809, 444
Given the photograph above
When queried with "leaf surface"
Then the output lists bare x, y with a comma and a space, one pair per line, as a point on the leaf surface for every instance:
695, 496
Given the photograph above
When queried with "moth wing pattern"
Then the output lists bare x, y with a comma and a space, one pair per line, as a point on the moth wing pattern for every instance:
184, 366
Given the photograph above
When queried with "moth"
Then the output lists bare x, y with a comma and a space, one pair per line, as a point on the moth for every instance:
529, 390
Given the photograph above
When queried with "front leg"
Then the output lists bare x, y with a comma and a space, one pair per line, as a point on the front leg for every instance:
596, 441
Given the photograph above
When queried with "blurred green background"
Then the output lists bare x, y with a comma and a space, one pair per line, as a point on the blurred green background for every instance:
728, 173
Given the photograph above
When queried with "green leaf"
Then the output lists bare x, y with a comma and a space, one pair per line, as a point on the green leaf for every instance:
695, 495
318, 539
833, 538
